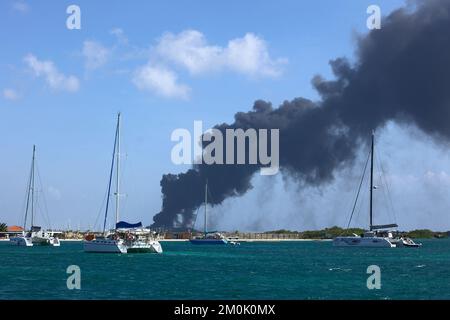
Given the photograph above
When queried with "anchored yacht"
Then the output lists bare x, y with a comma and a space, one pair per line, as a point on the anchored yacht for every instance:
378, 235
35, 236
125, 237
208, 237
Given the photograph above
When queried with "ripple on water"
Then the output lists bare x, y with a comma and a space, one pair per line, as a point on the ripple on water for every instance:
287, 270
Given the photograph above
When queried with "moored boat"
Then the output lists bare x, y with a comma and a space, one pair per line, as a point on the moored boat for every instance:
125, 237
379, 236
208, 237
36, 235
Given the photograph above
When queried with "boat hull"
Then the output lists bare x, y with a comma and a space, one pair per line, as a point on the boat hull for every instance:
46, 241
407, 243
208, 241
373, 242
145, 247
21, 241
104, 246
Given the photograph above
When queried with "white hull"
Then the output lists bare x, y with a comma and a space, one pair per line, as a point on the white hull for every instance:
375, 242
144, 246
21, 241
406, 242
46, 241
104, 246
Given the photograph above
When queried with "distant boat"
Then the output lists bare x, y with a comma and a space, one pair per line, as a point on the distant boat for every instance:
378, 235
35, 236
208, 237
125, 237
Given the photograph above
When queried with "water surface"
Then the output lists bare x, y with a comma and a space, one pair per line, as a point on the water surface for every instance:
281, 270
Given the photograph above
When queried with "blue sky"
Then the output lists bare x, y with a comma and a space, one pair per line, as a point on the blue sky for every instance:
61, 90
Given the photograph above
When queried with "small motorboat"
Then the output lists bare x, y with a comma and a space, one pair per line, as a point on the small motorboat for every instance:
408, 242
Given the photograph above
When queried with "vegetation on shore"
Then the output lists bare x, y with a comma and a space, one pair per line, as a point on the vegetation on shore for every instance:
3, 227
426, 234
330, 233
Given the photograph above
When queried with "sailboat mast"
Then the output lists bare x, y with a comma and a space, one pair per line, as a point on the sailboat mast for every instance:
371, 182
206, 204
32, 185
29, 188
118, 169
111, 173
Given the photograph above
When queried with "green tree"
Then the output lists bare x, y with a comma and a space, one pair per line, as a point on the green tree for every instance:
3, 227
420, 233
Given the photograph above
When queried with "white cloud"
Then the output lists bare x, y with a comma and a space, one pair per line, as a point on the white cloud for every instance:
10, 94
120, 35
55, 79
248, 55
95, 54
20, 6
160, 80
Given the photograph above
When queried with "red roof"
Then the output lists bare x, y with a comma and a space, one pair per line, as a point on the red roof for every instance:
15, 229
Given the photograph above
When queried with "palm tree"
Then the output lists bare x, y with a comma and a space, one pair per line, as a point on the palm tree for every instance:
3, 227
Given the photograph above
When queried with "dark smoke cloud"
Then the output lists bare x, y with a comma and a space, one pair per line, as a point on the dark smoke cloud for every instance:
402, 73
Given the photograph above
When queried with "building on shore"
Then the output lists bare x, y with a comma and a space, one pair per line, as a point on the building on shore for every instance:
11, 231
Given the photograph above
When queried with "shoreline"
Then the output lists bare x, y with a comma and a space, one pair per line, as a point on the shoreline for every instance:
255, 240
238, 240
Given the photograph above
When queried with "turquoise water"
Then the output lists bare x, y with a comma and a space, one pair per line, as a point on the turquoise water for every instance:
285, 270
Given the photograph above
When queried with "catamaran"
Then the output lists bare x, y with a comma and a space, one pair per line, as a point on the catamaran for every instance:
36, 235
208, 237
125, 237
377, 235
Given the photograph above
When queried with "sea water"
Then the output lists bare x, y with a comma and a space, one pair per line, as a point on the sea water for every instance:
258, 270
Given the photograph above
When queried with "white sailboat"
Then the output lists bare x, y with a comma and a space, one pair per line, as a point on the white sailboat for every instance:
124, 237
378, 235
209, 237
138, 239
36, 236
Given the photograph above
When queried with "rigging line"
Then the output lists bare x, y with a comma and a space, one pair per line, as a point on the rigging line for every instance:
363, 199
195, 220
124, 182
26, 201
101, 208
389, 197
46, 215
359, 190
111, 175
385, 195
210, 195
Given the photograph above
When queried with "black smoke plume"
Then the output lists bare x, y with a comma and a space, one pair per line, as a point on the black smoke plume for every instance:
401, 73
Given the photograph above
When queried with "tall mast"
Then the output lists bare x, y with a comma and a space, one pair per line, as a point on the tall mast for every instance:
118, 169
29, 191
206, 204
32, 185
111, 173
371, 181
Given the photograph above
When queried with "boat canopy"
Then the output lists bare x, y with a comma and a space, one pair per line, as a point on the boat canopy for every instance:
126, 225
384, 226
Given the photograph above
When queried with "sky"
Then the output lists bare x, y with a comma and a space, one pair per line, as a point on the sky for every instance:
163, 65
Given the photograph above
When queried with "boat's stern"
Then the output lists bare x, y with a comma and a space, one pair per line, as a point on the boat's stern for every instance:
21, 241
